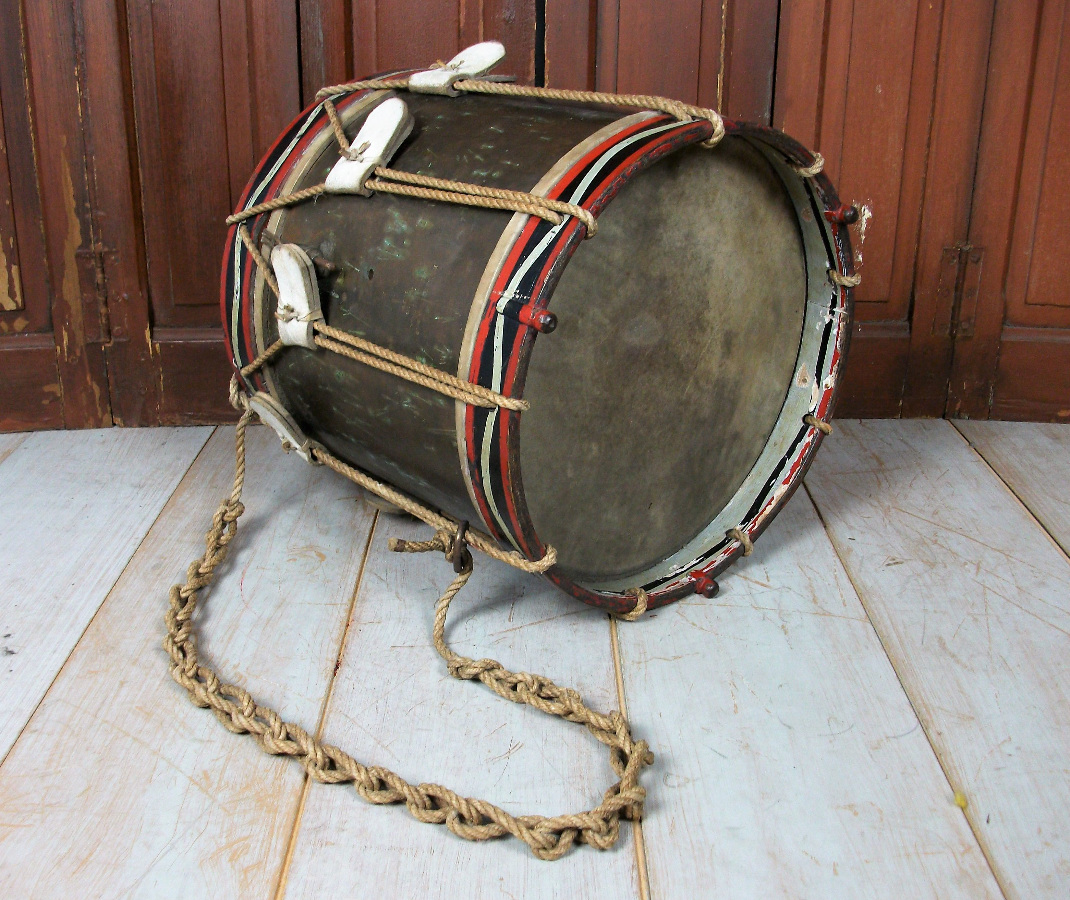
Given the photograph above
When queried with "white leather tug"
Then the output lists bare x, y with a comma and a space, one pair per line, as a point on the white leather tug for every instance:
383, 131
299, 296
272, 413
470, 63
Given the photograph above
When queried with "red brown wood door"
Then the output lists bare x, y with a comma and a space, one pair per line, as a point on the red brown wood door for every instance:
130, 126
950, 120
891, 94
53, 370
1012, 346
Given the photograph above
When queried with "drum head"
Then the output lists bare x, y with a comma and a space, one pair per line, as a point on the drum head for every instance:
679, 335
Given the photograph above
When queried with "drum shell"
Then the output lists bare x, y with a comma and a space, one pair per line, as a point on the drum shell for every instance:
406, 272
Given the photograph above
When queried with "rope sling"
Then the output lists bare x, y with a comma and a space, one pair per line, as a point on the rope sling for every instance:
548, 837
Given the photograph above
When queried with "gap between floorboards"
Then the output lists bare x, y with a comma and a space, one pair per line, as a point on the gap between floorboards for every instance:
622, 702
306, 786
1063, 551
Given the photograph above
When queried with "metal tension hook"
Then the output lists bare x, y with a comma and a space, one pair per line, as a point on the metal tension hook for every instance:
459, 554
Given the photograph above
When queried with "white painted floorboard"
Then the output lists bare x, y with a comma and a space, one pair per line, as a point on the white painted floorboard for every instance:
119, 786
790, 759
1034, 459
395, 705
972, 601
790, 763
73, 508
8, 443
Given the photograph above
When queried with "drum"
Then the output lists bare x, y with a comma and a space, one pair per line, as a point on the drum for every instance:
677, 367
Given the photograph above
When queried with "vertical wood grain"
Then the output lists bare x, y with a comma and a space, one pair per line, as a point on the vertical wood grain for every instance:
1037, 280
919, 69
956, 122
404, 40
608, 37
571, 43
658, 48
750, 42
11, 299
326, 45
24, 240
1010, 356
234, 82
179, 91
800, 70
58, 115
513, 23
133, 385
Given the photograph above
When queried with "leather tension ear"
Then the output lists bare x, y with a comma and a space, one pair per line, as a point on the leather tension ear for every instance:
383, 131
469, 63
299, 296
272, 413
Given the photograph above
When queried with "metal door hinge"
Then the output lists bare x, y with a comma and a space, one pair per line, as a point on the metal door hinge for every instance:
956, 293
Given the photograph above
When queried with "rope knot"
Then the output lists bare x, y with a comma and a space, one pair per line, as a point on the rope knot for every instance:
472, 819
812, 170
238, 399
357, 153
744, 539
641, 605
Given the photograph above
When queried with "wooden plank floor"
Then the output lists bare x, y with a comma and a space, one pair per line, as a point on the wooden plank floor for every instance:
897, 648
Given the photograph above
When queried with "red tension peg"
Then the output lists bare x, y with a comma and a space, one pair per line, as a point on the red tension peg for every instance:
541, 320
703, 584
842, 214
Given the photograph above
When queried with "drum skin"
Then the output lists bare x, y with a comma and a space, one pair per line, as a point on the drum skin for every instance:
695, 327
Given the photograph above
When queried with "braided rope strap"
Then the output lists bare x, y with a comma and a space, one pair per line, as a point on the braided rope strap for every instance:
475, 820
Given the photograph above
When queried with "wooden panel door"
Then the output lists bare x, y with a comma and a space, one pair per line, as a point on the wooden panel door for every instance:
714, 53
53, 372
1012, 349
128, 129
128, 132
212, 85
891, 95
342, 40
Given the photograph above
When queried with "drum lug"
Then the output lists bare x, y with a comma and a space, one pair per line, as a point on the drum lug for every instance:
469, 63
842, 214
299, 296
542, 320
703, 584
272, 413
378, 140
